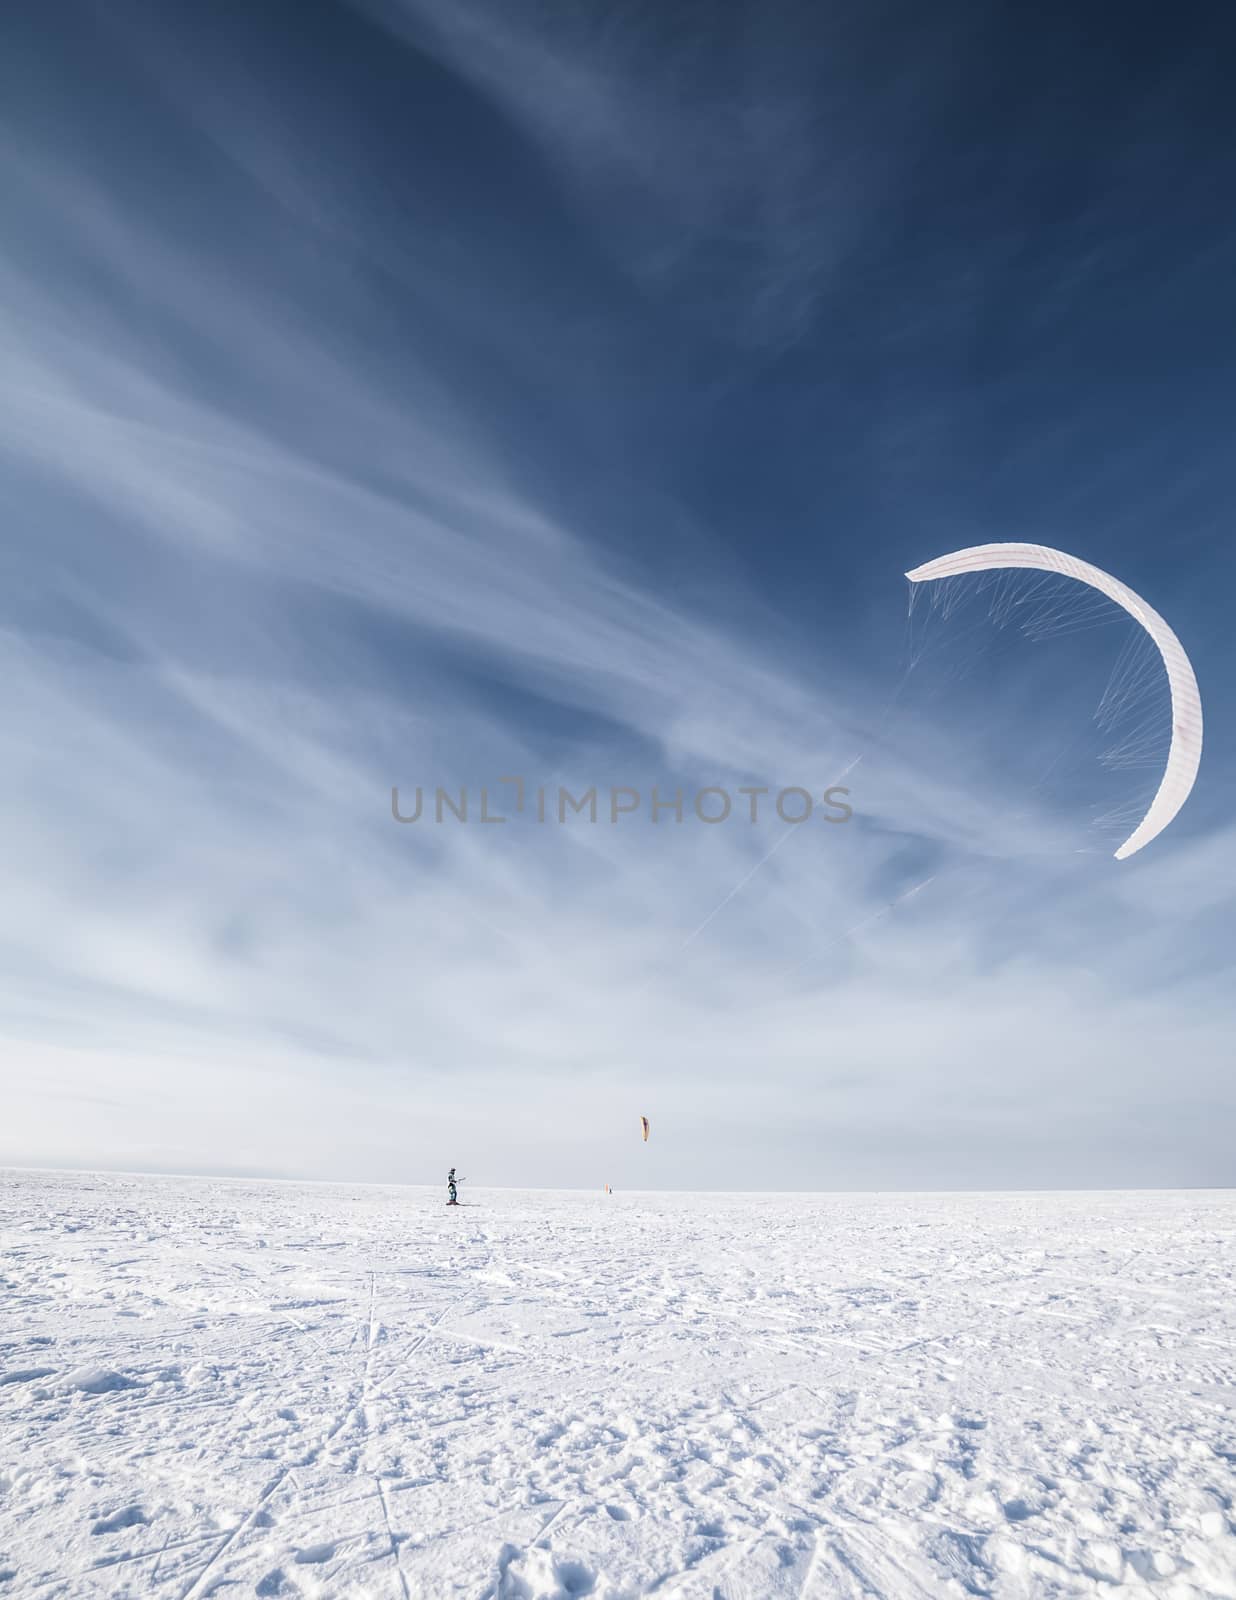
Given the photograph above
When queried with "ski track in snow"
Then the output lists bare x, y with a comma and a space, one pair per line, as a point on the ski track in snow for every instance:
214, 1388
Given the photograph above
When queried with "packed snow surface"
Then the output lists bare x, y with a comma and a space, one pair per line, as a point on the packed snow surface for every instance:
259, 1389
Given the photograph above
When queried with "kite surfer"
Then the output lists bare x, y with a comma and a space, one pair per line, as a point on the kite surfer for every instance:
452, 1192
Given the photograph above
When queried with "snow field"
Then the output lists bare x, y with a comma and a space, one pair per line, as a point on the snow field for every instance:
250, 1389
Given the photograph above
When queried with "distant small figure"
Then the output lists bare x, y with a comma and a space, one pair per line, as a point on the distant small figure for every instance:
452, 1192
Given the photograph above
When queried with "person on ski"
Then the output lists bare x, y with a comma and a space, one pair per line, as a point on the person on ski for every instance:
452, 1193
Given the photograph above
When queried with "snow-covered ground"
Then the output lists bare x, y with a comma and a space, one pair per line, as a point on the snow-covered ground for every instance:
239, 1389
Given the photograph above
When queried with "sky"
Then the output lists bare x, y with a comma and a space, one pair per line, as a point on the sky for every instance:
431, 392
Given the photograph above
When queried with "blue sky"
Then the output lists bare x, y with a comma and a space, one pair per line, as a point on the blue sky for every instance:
410, 393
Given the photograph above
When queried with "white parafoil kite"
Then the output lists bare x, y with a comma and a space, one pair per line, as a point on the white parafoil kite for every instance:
1185, 751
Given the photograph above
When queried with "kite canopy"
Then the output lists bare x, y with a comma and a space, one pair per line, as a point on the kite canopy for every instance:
645, 1125
1185, 752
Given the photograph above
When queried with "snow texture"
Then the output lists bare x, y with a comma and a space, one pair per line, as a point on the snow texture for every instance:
282, 1390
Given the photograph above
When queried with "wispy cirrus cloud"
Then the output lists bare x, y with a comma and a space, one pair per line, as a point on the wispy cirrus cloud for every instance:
261, 570
732, 167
